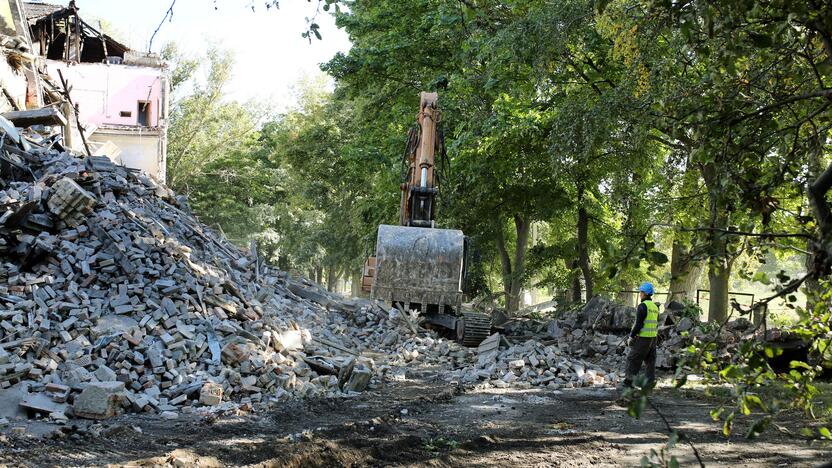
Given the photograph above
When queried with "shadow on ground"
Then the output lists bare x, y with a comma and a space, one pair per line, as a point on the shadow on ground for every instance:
420, 422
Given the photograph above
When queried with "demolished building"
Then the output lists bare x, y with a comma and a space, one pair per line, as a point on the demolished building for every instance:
120, 95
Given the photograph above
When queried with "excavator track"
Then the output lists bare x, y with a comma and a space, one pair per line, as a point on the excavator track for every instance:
472, 328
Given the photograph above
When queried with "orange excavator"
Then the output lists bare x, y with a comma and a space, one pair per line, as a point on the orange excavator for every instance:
418, 266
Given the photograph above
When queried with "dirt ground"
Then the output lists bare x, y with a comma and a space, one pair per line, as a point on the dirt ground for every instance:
419, 422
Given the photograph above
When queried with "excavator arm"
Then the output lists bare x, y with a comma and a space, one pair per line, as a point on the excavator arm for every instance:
419, 188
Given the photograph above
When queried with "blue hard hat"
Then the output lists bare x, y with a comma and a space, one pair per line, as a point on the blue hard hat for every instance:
646, 288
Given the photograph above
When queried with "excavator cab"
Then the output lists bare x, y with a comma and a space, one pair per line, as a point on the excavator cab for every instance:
418, 266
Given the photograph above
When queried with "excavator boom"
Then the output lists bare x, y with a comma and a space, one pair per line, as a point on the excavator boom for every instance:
419, 188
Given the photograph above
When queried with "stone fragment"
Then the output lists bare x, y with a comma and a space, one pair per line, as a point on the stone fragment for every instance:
684, 324
516, 364
42, 403
391, 339
553, 330
288, 340
70, 202
210, 394
235, 353
489, 344
104, 374
99, 400
113, 325
58, 392
359, 379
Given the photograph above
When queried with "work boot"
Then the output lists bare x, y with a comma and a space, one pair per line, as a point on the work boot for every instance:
623, 394
623, 401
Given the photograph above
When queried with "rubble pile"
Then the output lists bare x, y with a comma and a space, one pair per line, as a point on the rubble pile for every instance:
531, 364
113, 296
598, 333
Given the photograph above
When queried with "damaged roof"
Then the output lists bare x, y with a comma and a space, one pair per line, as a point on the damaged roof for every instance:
48, 27
37, 10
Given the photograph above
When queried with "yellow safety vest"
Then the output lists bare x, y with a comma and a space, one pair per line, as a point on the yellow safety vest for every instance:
651, 322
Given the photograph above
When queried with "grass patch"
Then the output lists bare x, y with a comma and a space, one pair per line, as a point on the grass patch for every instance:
440, 444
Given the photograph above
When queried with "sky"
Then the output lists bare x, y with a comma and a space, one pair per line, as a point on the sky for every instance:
271, 56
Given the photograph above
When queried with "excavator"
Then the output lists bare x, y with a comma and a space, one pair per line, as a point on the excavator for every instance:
418, 266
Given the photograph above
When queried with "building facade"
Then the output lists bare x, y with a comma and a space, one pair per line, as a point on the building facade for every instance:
120, 96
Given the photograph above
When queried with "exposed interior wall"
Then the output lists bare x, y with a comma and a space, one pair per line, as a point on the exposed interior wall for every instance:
111, 99
139, 149
12, 21
111, 94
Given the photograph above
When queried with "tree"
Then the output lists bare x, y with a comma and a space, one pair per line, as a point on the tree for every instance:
326, 223
203, 126
214, 156
750, 105
505, 140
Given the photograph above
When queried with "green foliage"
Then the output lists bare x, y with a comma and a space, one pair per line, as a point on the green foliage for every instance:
691, 311
214, 154
780, 320
530, 142
204, 129
660, 458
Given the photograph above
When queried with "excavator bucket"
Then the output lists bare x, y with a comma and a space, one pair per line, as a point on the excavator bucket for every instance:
422, 266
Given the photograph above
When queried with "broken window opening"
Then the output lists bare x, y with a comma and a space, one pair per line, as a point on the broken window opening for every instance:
143, 114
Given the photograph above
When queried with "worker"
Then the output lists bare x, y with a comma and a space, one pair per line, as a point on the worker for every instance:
642, 341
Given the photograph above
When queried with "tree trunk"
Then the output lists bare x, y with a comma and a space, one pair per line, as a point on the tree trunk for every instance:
576, 283
719, 273
319, 275
355, 290
626, 298
684, 273
522, 226
331, 278
583, 248
719, 263
572, 294
513, 274
812, 287
719, 267
632, 228
505, 262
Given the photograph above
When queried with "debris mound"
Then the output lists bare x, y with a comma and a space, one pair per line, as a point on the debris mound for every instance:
532, 363
114, 296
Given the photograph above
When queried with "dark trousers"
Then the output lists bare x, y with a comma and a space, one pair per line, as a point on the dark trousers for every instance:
642, 351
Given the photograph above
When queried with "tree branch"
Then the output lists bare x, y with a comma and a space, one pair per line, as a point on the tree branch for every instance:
168, 14
817, 196
824, 93
748, 234
682, 435
790, 287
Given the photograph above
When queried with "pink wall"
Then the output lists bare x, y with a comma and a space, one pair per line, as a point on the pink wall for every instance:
103, 91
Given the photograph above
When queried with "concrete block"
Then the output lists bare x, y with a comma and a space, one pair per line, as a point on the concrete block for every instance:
99, 400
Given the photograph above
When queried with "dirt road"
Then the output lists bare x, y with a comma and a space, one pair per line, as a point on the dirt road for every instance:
418, 422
